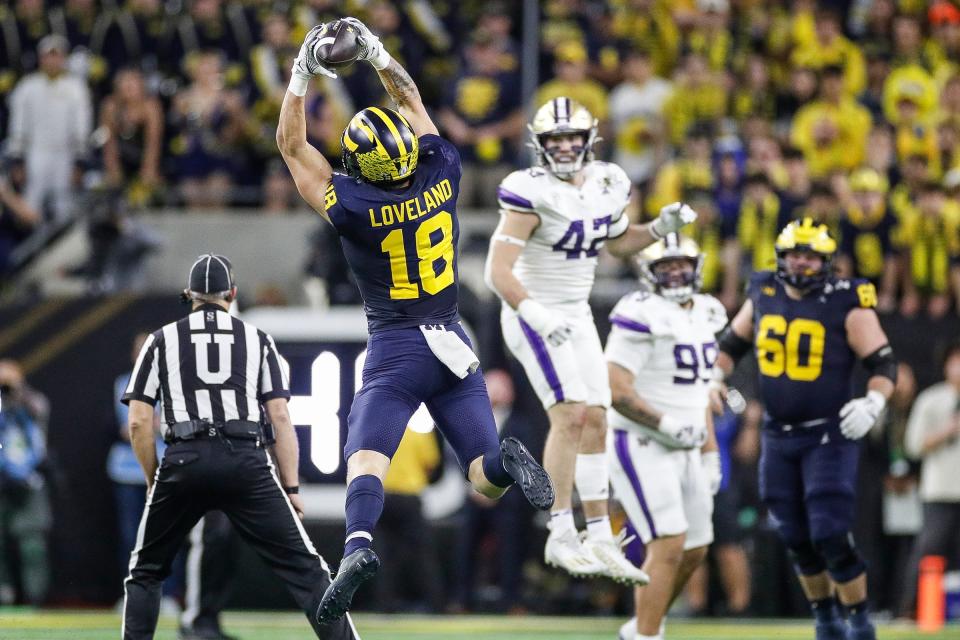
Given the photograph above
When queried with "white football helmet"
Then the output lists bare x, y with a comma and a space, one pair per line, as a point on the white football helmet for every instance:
563, 116
672, 246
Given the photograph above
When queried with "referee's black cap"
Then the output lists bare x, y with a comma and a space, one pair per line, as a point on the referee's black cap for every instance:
211, 273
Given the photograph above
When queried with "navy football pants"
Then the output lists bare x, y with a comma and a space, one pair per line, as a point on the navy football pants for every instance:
401, 372
807, 481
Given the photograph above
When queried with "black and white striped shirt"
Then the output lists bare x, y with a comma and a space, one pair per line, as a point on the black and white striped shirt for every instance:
208, 366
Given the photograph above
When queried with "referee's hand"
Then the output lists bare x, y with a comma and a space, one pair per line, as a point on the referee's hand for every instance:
297, 503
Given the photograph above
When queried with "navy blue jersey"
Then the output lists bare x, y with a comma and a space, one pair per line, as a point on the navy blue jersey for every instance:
401, 244
803, 356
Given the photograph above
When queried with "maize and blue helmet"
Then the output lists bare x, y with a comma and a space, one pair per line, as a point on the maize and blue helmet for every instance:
805, 235
379, 146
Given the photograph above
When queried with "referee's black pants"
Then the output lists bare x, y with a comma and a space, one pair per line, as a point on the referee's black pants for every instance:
236, 477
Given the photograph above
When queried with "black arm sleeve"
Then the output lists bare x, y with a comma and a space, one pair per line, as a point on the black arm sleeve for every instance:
732, 344
882, 363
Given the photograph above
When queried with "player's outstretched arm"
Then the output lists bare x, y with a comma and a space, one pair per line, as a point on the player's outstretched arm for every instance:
637, 237
399, 85
310, 170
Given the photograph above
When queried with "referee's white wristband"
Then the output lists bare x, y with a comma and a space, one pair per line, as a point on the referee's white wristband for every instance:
298, 84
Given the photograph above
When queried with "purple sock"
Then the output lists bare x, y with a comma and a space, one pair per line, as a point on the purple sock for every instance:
363, 508
494, 471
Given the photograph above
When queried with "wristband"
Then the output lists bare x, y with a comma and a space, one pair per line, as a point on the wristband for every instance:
291, 490
298, 84
382, 59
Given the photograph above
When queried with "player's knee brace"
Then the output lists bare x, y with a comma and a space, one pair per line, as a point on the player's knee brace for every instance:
806, 558
841, 557
592, 477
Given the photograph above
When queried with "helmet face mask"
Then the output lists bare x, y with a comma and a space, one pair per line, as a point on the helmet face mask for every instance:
380, 147
804, 237
673, 268
559, 119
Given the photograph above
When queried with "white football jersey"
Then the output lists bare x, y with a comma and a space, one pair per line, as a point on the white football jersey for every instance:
558, 263
671, 351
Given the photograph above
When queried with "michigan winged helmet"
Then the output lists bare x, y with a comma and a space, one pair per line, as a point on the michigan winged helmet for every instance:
805, 235
379, 146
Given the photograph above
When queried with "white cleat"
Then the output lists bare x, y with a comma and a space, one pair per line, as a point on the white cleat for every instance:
565, 551
615, 564
628, 630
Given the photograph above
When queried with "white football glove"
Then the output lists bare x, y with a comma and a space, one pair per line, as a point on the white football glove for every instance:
548, 324
712, 469
859, 415
687, 435
672, 218
306, 65
371, 49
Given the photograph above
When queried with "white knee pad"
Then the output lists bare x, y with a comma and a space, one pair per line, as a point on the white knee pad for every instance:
592, 476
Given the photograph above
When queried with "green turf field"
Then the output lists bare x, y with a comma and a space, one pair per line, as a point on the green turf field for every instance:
28, 625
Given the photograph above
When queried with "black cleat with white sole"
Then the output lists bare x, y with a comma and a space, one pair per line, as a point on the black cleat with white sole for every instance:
532, 479
355, 569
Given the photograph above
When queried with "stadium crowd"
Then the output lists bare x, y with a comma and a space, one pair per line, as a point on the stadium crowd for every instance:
752, 112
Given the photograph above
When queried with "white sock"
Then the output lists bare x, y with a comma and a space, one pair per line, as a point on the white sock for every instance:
656, 637
561, 521
599, 528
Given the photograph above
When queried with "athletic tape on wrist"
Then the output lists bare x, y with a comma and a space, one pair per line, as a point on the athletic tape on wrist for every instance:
382, 60
298, 84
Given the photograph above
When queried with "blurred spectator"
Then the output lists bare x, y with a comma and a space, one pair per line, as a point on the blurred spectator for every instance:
636, 117
759, 222
699, 95
24, 27
17, 218
866, 236
910, 98
888, 514
25, 516
878, 68
831, 131
693, 169
739, 442
213, 25
118, 244
754, 92
800, 90
933, 437
413, 582
135, 34
328, 280
482, 116
571, 81
830, 48
908, 46
944, 48
129, 485
796, 191
710, 36
134, 123
50, 122
212, 126
932, 233
649, 24
493, 536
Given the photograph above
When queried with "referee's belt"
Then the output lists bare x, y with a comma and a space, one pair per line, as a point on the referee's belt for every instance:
235, 429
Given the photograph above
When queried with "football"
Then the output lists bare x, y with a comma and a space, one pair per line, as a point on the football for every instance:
337, 46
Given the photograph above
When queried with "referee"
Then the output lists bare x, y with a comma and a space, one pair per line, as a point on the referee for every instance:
219, 381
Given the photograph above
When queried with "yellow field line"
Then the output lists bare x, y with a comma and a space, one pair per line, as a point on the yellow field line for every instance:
82, 326
29, 321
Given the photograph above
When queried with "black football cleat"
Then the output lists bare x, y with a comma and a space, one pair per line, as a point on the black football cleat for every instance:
355, 569
532, 479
